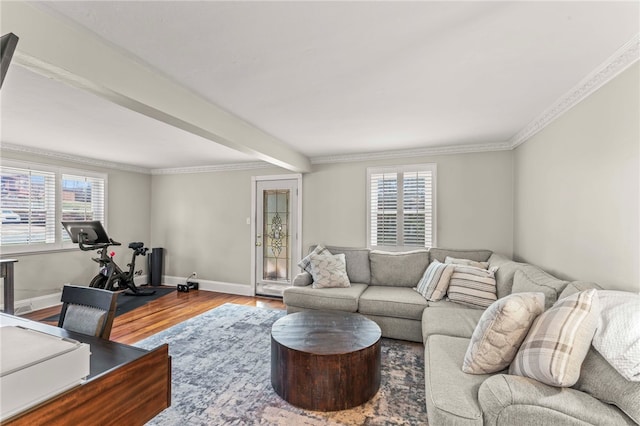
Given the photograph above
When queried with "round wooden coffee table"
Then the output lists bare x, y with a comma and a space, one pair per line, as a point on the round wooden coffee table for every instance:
325, 361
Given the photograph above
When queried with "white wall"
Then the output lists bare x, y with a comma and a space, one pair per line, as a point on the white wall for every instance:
577, 188
200, 219
129, 196
474, 201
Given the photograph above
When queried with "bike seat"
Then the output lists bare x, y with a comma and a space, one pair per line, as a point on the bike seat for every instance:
135, 246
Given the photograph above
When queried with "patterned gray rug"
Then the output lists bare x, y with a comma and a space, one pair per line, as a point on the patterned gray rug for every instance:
221, 375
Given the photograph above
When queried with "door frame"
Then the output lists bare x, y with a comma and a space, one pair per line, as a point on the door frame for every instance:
296, 251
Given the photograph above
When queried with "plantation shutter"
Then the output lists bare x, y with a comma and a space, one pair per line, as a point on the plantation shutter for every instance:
417, 208
28, 207
384, 209
401, 206
83, 198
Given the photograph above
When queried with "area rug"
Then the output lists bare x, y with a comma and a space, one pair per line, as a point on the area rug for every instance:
221, 375
127, 303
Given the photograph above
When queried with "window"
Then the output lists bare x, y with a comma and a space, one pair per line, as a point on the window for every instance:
36, 198
82, 199
401, 206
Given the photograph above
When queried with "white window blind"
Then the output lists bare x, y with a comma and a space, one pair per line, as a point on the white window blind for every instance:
401, 206
37, 197
28, 207
82, 199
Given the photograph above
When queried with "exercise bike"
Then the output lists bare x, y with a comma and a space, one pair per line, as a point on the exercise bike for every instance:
91, 235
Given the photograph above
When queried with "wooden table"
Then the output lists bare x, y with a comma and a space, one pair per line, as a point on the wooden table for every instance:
126, 385
325, 361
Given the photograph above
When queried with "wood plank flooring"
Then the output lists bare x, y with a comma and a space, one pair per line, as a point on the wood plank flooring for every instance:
165, 312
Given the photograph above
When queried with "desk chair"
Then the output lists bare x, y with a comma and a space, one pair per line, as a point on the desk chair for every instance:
88, 310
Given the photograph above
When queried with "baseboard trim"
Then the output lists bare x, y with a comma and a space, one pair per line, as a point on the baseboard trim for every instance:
26, 306
217, 286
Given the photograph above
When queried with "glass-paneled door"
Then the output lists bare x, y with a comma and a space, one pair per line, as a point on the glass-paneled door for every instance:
276, 235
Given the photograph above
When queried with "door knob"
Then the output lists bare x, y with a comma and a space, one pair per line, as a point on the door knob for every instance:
258, 244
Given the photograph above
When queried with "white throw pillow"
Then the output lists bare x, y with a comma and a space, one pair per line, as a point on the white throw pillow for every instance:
433, 284
329, 271
500, 331
617, 338
558, 342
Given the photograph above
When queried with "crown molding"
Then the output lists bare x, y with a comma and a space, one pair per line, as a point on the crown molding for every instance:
213, 168
420, 152
622, 59
72, 158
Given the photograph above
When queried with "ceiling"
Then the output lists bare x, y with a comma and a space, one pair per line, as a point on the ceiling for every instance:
316, 79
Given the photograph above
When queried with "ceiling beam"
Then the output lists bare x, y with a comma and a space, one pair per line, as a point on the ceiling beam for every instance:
67, 53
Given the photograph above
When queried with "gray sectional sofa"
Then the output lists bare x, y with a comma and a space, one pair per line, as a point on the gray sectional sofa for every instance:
382, 290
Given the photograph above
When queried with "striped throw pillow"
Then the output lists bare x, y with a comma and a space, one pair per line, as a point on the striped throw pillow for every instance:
472, 286
435, 280
558, 341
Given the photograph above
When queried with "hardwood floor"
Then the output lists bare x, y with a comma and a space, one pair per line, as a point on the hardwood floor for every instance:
165, 312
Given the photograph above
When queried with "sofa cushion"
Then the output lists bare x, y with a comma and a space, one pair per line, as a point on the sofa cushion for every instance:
500, 331
476, 255
396, 302
451, 394
472, 286
504, 275
515, 400
329, 271
559, 340
302, 279
600, 380
357, 260
449, 321
468, 262
435, 281
398, 269
533, 279
336, 299
398, 328
444, 303
618, 335
577, 286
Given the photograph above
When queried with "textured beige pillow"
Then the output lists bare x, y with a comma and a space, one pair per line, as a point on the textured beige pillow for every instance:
500, 331
329, 271
558, 341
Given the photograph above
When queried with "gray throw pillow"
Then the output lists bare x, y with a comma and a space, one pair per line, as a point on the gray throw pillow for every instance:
304, 264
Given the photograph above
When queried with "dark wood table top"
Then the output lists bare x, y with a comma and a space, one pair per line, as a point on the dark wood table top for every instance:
325, 332
105, 354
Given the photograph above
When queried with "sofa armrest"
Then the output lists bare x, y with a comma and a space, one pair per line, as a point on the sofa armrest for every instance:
302, 280
507, 399
454, 322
